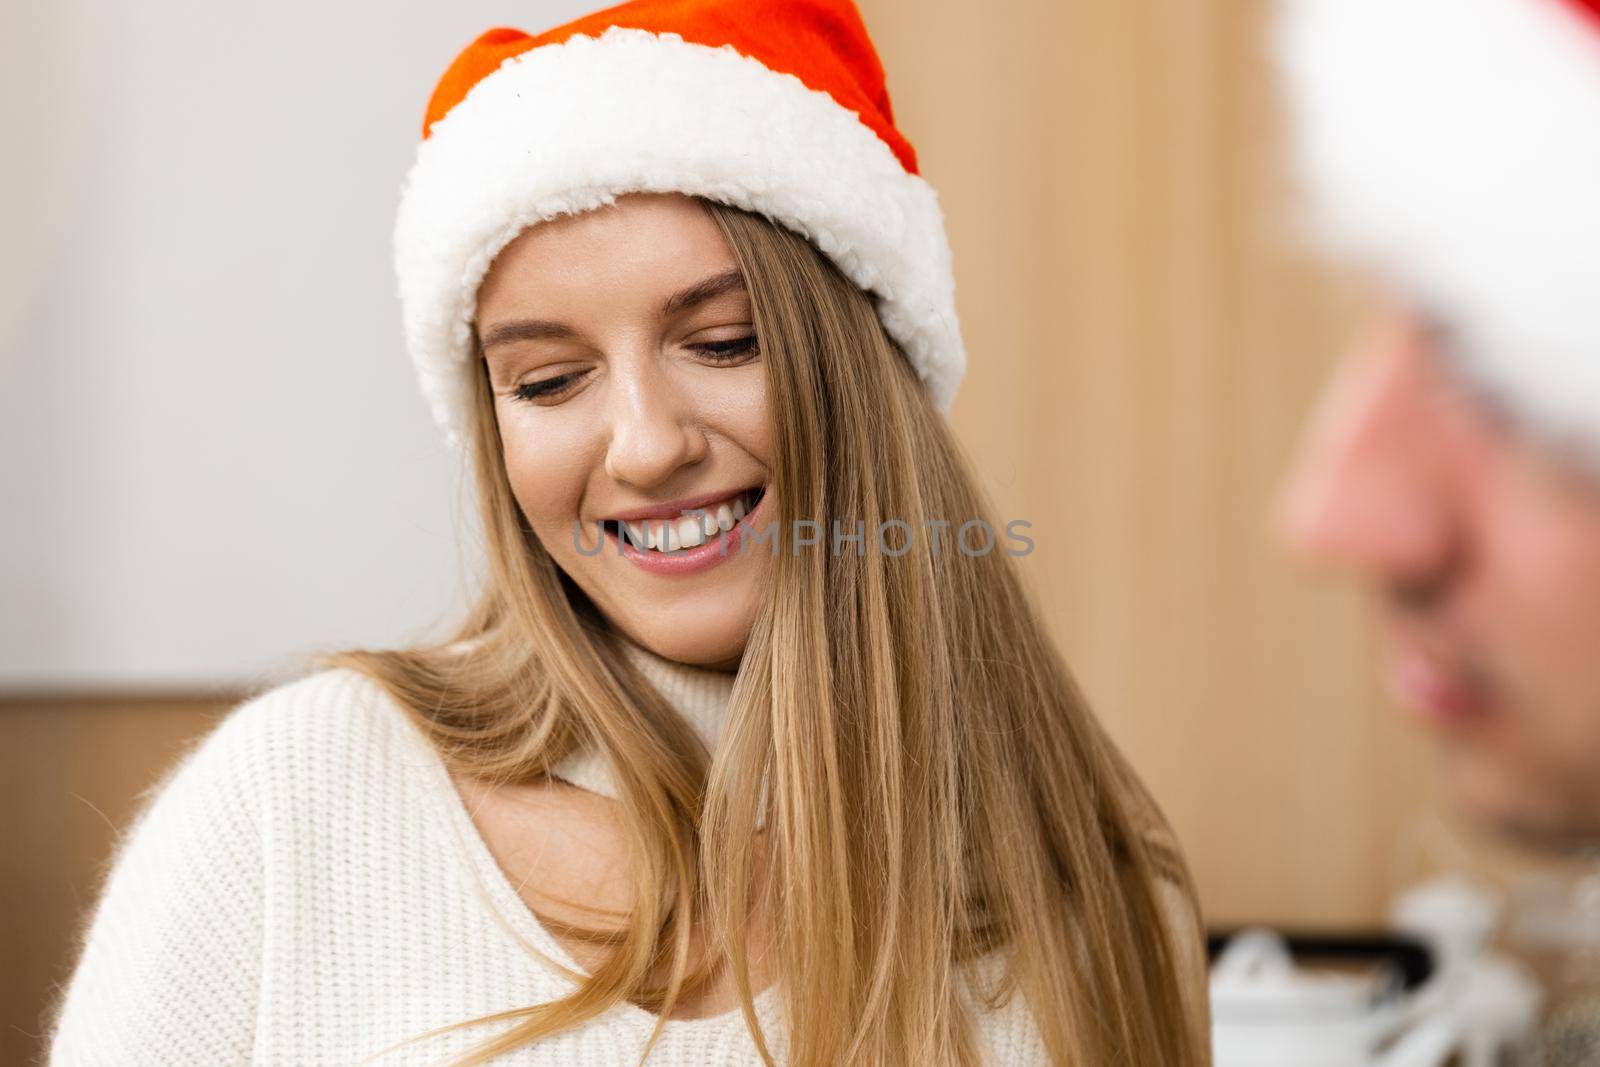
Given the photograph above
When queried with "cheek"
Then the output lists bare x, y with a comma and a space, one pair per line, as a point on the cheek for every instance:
1541, 556
741, 412
1548, 547
1536, 624
548, 468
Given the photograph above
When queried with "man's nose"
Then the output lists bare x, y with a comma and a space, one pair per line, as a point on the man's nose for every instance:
1370, 488
653, 431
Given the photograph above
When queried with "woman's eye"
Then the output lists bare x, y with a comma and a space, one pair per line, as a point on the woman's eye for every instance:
730, 350
532, 392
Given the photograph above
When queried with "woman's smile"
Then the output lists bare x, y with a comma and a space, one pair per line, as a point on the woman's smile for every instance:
707, 531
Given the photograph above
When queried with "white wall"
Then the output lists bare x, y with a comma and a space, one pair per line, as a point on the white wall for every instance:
215, 453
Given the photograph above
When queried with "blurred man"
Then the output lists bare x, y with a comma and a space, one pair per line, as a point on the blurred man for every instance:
1454, 463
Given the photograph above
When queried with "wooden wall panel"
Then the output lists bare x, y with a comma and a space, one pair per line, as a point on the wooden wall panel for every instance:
73, 772
1144, 342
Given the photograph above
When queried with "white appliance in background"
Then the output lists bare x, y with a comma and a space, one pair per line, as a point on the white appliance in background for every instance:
1269, 1012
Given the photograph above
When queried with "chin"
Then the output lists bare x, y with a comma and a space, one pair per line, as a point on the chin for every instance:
1522, 807
701, 634
702, 620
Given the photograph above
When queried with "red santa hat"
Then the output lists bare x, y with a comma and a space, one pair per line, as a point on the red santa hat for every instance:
1455, 145
775, 106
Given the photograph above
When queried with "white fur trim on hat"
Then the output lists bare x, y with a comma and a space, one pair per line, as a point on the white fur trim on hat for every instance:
568, 127
1455, 145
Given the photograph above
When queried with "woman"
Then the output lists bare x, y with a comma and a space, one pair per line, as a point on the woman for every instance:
749, 751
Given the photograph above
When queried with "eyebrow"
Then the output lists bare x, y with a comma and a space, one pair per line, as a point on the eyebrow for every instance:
729, 281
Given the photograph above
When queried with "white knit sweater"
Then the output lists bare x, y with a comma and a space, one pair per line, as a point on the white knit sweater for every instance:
302, 888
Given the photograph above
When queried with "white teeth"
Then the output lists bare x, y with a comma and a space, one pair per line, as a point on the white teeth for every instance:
690, 532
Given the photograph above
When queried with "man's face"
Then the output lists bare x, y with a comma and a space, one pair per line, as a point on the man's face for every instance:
1483, 552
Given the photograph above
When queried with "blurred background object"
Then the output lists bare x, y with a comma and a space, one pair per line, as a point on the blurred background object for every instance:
1427, 992
218, 459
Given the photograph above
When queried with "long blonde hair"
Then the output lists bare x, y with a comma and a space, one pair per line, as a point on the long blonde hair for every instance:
936, 787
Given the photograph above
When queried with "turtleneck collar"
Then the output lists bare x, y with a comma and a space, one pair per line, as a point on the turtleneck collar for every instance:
699, 694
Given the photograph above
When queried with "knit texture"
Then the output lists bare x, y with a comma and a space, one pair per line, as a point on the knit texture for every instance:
306, 886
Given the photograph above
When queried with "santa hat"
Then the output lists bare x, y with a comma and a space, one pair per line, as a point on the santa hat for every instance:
1455, 145
775, 106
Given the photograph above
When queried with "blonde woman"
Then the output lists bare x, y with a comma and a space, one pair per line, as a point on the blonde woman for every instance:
753, 750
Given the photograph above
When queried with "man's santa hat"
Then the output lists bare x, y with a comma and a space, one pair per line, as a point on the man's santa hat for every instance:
1455, 145
775, 106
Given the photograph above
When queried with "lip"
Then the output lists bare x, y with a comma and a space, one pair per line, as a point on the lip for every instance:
1438, 693
674, 509
725, 546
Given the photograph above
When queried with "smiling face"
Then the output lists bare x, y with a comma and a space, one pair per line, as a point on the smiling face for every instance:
632, 404
1484, 551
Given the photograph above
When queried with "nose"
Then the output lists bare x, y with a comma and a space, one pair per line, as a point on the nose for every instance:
653, 431
1370, 489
